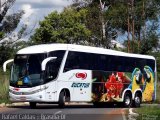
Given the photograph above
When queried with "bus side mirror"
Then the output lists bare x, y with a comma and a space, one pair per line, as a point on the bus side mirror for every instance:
5, 64
45, 61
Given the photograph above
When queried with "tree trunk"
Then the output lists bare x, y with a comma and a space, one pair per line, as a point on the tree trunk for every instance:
104, 42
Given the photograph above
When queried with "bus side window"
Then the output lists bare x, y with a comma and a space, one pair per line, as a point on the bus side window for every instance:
102, 62
129, 64
151, 63
78, 60
51, 70
70, 62
75, 62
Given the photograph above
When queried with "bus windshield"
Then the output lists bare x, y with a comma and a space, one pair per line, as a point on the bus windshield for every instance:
26, 70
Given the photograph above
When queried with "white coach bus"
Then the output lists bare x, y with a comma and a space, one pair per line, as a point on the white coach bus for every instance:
59, 73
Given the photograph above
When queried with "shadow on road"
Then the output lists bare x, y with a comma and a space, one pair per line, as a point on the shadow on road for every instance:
69, 106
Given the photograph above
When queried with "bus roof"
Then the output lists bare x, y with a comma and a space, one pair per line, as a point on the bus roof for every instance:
44, 48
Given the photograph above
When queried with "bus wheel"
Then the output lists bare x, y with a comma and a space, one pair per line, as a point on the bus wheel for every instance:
137, 100
62, 99
32, 105
127, 102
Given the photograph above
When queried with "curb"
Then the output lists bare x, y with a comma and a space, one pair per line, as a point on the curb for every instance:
2, 105
150, 104
132, 115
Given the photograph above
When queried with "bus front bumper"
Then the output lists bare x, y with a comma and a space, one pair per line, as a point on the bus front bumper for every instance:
37, 97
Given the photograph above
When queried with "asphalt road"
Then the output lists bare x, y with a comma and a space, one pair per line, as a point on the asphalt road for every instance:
70, 112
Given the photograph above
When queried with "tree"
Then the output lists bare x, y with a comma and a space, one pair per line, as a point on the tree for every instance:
128, 16
157, 57
94, 24
4, 7
134, 17
148, 43
5, 53
65, 27
8, 25
98, 24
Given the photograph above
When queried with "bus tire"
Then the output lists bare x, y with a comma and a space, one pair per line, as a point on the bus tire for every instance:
127, 102
137, 100
32, 105
62, 99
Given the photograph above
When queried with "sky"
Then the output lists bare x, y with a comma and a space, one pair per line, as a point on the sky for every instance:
35, 10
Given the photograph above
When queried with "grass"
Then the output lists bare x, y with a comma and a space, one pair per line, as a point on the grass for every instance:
148, 113
4, 85
158, 95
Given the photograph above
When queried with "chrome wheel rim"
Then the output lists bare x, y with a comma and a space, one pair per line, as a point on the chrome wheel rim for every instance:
137, 100
127, 101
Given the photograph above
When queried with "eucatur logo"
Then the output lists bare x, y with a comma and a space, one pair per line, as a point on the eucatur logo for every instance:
80, 85
81, 75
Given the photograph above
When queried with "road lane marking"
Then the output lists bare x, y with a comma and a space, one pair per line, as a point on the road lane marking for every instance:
58, 112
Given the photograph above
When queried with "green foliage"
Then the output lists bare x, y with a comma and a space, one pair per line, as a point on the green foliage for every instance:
5, 53
133, 46
4, 86
19, 45
119, 11
1, 35
157, 56
116, 14
89, 26
148, 43
148, 112
94, 24
8, 51
66, 27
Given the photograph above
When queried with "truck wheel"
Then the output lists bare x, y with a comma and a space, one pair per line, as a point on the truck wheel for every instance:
62, 99
32, 105
137, 100
127, 102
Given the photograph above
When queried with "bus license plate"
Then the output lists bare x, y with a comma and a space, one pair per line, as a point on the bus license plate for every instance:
23, 98
20, 83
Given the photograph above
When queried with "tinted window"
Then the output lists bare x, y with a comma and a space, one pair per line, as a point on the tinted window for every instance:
59, 54
151, 63
52, 67
26, 71
34, 62
78, 60
90, 61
